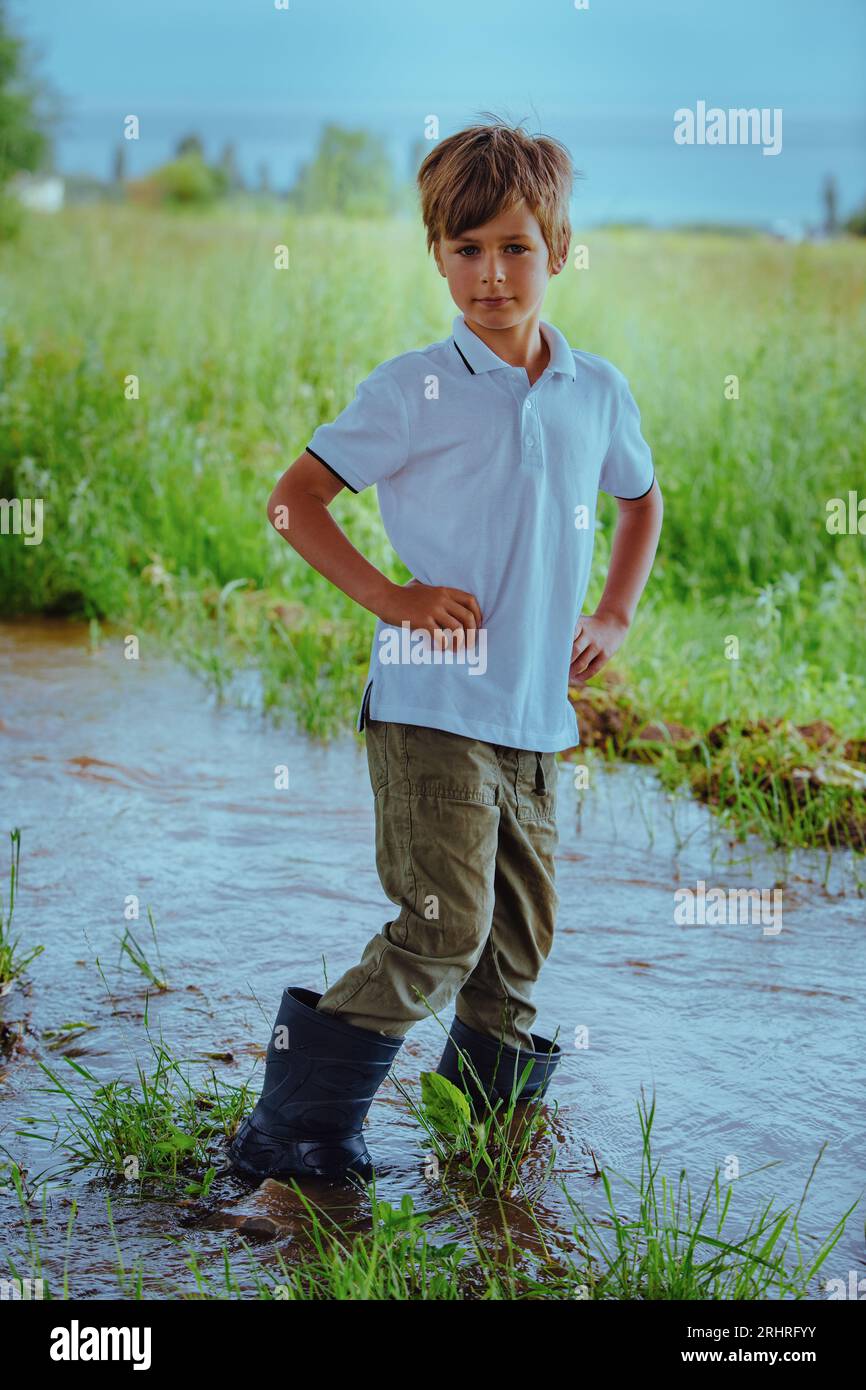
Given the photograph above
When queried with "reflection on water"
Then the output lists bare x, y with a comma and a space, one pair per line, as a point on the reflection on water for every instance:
127, 778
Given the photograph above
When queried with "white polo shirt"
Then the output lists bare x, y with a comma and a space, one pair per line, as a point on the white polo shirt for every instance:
488, 484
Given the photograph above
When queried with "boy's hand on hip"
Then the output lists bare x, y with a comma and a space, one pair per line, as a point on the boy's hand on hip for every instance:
448, 614
596, 638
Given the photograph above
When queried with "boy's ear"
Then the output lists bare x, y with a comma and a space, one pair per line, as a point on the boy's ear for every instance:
558, 262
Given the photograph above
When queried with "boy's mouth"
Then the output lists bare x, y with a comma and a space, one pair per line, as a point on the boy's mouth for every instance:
495, 303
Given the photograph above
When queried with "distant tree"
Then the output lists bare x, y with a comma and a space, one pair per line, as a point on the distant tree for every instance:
186, 181
350, 173
418, 152
190, 144
118, 163
830, 199
855, 225
24, 143
264, 185
228, 163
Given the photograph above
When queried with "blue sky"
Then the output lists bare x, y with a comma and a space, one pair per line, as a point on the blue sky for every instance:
606, 80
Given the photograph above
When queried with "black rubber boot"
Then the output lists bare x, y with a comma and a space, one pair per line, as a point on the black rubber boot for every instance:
498, 1065
317, 1090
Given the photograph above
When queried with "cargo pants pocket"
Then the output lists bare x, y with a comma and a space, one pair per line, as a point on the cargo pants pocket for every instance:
535, 787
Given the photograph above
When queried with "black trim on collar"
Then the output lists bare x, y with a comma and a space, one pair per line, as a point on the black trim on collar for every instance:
640, 494
330, 469
472, 369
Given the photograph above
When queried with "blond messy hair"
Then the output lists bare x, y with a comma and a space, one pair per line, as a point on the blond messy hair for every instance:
472, 176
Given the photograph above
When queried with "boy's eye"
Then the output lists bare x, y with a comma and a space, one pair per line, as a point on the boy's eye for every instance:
514, 246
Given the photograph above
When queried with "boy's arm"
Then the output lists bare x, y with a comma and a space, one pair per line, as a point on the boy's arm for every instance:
298, 510
635, 541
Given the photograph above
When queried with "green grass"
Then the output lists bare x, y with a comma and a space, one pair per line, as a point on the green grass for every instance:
13, 962
154, 1130
489, 1173
155, 508
656, 1242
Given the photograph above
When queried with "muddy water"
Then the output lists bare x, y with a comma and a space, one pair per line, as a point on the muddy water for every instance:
127, 778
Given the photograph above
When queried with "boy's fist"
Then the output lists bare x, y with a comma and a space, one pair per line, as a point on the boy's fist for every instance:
431, 607
596, 638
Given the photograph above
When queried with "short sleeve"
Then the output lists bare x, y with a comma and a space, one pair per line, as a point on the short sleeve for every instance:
369, 439
627, 470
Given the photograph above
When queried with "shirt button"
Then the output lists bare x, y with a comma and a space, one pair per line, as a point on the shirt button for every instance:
529, 405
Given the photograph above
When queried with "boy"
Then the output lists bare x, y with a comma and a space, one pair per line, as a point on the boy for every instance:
487, 449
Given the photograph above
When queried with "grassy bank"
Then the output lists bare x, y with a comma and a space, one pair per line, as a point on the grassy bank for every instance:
486, 1233
656, 1241
155, 507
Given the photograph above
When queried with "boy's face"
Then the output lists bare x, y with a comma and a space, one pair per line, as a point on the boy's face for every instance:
505, 259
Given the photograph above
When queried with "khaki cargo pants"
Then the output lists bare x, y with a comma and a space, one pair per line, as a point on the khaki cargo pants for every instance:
465, 839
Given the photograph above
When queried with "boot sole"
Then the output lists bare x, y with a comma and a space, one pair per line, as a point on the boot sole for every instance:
299, 1159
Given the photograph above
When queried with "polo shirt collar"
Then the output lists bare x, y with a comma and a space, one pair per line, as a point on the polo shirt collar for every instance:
478, 357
